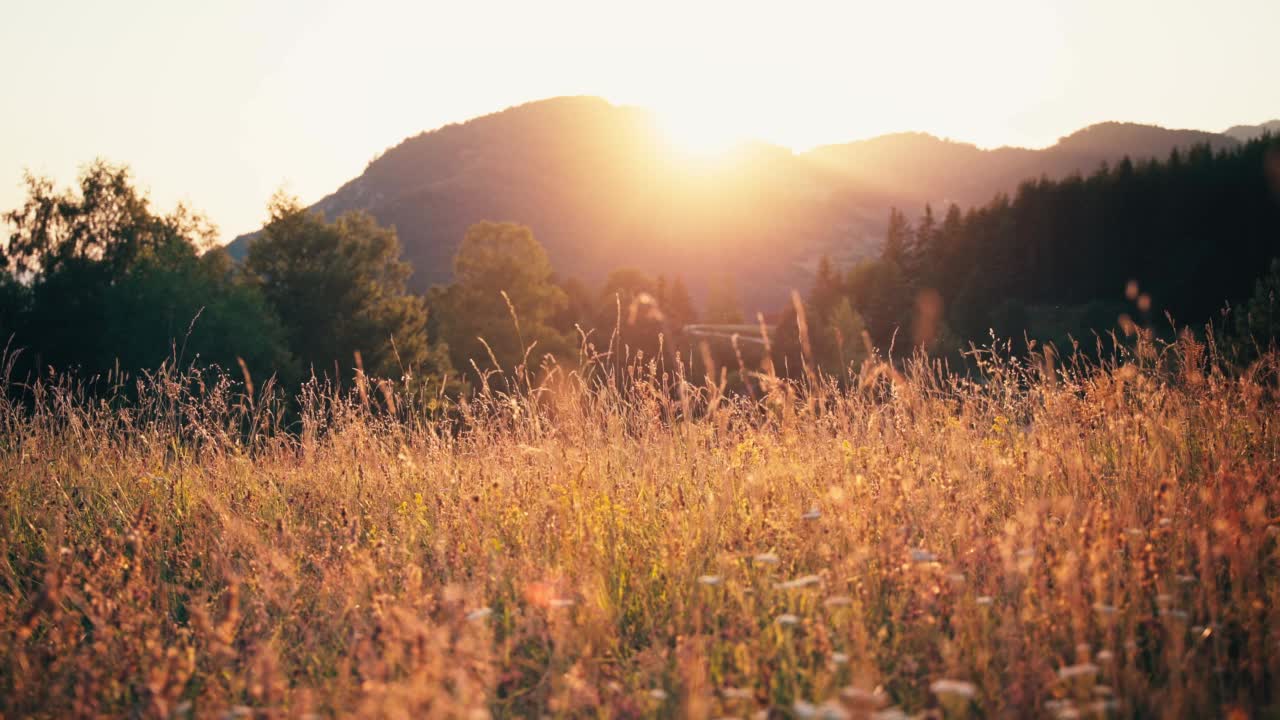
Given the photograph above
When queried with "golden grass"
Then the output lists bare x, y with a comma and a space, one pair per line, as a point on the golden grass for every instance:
1088, 540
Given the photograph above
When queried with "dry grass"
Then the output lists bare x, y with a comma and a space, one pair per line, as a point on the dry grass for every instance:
1078, 541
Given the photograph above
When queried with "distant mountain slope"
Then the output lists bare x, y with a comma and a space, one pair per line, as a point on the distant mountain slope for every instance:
601, 190
1245, 133
923, 168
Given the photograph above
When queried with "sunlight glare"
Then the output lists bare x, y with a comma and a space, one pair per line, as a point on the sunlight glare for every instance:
698, 134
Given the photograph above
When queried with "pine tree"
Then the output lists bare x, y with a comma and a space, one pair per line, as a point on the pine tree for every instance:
897, 239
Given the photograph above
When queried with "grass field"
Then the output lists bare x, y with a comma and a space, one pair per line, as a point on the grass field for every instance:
1065, 541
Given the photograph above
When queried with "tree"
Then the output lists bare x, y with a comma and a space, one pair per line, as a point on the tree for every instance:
897, 239
339, 288
96, 280
501, 269
678, 304
827, 287
724, 305
1259, 323
844, 344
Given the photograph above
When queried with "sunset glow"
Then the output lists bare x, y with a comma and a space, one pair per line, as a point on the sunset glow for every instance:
302, 95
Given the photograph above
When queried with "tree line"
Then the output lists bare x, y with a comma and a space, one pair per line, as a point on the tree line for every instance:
1194, 236
95, 281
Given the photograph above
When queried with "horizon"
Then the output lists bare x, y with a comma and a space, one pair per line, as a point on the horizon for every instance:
248, 100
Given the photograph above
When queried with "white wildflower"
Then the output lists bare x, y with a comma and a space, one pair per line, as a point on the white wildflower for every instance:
1081, 670
800, 582
958, 688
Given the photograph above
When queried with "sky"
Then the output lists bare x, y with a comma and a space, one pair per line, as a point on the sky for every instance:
219, 104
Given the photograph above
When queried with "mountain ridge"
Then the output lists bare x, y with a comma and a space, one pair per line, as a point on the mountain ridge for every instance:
602, 188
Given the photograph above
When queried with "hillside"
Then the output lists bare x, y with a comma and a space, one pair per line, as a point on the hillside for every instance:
1245, 133
601, 189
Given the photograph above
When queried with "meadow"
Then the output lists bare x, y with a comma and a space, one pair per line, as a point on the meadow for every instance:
1036, 538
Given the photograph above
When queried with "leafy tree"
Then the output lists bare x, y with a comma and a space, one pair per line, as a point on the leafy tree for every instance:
678, 303
724, 305
96, 280
501, 269
339, 288
843, 343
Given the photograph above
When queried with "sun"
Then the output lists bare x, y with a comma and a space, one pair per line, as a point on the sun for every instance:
698, 135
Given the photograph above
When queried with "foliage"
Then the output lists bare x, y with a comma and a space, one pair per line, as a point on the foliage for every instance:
502, 299
99, 282
1259, 320
339, 288
724, 303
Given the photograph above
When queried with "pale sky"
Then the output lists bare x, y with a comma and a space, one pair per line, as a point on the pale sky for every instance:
219, 103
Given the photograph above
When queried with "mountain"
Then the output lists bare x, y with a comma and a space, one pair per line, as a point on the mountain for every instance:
602, 189
1245, 133
920, 168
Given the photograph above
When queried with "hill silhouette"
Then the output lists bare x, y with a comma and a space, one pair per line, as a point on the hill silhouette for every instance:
602, 188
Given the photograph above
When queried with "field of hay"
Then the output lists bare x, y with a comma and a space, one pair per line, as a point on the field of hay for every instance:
1035, 540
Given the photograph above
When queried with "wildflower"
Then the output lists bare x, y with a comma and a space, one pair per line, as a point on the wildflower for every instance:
840, 658
562, 602
1081, 670
919, 555
479, 613
766, 559
984, 600
838, 601
813, 514
1165, 522
787, 620
1061, 709
800, 582
858, 697
1106, 656
956, 578
829, 710
709, 580
957, 688
658, 694
832, 710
